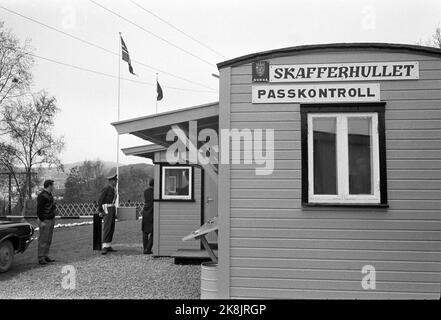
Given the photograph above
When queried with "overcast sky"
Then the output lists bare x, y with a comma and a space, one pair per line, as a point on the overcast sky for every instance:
88, 101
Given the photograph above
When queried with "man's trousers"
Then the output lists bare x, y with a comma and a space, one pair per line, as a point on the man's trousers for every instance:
46, 230
147, 241
109, 226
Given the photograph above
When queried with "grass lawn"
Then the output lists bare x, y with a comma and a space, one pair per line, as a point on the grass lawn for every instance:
126, 274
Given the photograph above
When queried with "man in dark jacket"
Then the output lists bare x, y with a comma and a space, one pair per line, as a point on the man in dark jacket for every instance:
107, 209
46, 221
147, 219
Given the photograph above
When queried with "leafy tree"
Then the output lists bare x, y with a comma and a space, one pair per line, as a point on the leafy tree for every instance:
84, 182
27, 125
16, 61
133, 180
72, 187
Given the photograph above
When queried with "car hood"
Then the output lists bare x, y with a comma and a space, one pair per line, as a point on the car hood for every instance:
3, 223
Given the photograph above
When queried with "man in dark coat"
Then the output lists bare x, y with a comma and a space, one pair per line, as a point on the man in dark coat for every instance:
46, 221
107, 209
147, 219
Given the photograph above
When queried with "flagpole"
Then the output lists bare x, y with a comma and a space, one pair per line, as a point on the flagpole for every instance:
156, 92
117, 134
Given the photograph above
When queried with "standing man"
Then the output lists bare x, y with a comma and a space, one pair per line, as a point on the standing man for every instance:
107, 209
46, 221
147, 219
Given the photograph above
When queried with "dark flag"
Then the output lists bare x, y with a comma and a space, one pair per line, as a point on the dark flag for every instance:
125, 55
159, 91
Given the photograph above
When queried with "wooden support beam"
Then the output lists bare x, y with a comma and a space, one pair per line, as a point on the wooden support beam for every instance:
97, 230
208, 248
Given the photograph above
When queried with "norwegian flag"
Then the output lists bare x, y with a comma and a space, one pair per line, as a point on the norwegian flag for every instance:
126, 56
159, 91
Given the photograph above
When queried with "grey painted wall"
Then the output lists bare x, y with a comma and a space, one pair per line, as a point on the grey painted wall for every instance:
175, 220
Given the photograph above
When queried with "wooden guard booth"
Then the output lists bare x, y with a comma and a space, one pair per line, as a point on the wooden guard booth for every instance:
177, 215
293, 234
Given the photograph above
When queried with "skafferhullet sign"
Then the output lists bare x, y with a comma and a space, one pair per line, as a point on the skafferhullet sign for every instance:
352, 73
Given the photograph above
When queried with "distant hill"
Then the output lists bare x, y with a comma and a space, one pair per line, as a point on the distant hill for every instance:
126, 168
106, 164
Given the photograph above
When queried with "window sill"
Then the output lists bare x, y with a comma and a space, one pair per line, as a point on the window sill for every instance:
174, 200
347, 205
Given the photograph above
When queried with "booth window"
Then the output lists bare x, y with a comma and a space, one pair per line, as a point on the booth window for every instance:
176, 183
343, 163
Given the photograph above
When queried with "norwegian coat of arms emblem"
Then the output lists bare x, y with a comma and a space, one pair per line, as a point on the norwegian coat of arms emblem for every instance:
260, 71
260, 68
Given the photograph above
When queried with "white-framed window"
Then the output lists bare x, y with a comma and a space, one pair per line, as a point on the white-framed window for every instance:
176, 182
343, 158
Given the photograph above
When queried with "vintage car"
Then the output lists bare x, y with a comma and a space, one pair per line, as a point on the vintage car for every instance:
15, 237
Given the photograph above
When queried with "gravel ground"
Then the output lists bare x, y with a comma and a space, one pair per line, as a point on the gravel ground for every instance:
126, 274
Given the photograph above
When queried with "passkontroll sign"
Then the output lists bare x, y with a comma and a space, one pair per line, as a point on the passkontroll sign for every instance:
308, 93
336, 72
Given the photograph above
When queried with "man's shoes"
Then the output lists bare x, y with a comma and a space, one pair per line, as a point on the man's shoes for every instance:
148, 252
107, 249
42, 261
47, 259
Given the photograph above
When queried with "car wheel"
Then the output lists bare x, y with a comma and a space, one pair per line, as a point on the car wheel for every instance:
6, 255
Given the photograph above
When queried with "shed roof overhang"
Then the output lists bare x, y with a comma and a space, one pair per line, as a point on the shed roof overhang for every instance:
154, 128
144, 151
394, 47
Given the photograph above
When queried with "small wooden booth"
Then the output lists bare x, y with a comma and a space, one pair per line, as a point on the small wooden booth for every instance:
185, 194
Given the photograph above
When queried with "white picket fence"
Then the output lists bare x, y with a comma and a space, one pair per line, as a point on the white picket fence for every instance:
88, 209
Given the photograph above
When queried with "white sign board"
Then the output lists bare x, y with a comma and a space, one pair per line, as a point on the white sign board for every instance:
319, 93
344, 72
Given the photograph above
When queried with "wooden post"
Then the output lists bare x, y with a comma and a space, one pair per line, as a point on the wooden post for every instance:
97, 229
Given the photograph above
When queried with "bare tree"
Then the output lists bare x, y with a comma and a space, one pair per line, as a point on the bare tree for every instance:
29, 141
436, 38
16, 61
433, 41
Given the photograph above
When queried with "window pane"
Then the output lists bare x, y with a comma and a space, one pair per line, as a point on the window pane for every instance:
360, 159
177, 182
325, 162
